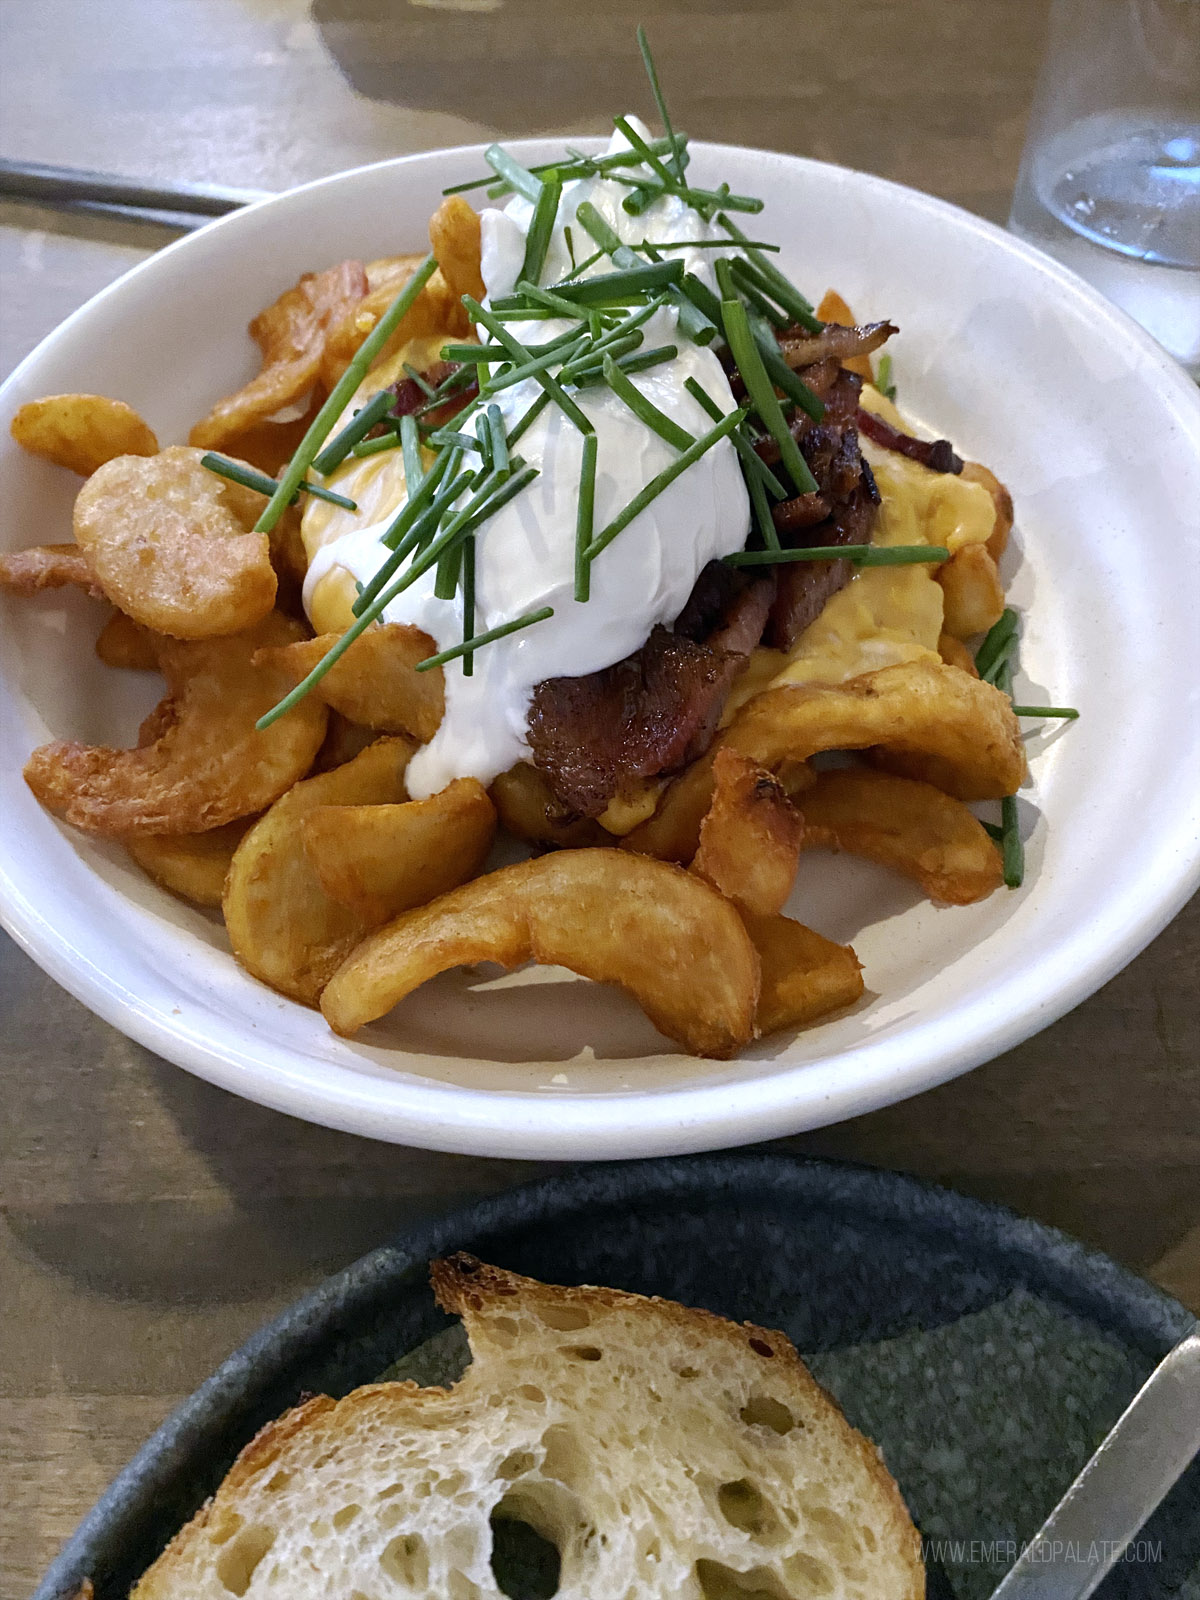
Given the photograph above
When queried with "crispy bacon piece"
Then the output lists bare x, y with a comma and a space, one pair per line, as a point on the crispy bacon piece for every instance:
801, 349
936, 454
658, 709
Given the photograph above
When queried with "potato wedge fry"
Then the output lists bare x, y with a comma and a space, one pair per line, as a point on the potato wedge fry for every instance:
804, 975
972, 592
291, 335
750, 838
531, 810
283, 926
952, 724
374, 684
906, 825
48, 566
997, 543
454, 238
124, 643
81, 431
205, 763
673, 832
343, 741
667, 938
834, 309
173, 544
379, 860
955, 654
191, 865
436, 310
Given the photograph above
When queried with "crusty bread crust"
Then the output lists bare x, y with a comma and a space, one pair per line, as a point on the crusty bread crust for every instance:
668, 1454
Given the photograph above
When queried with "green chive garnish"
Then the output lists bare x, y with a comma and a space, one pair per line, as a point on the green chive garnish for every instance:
523, 423
578, 166
883, 378
541, 226
442, 437
701, 244
751, 459
532, 368
492, 634
622, 284
518, 353
360, 424
372, 447
752, 292
664, 479
340, 394
997, 646
644, 409
629, 363
500, 461
546, 297
414, 467
992, 831
584, 514
450, 384
514, 174
262, 484
1067, 712
1010, 842
692, 321
418, 378
761, 393
468, 577
863, 555
783, 290
636, 142
660, 101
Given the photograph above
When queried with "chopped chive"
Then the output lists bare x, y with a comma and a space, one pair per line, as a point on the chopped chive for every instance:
590, 360
783, 289
443, 470
863, 555
883, 378
448, 436
360, 424
640, 362
584, 265
514, 174
262, 484
414, 467
660, 101
636, 142
705, 201
751, 291
468, 582
530, 417
489, 637
541, 226
992, 831
584, 515
418, 378
500, 461
419, 516
998, 644
751, 459
1010, 842
483, 433
644, 409
569, 241
639, 200
763, 520
780, 373
545, 297
1068, 712
519, 354
372, 447
579, 165
692, 321
481, 353
761, 392
644, 277
339, 396
701, 244
445, 583
553, 357
664, 479
702, 297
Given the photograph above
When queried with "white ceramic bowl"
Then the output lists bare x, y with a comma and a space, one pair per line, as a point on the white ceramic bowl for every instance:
1022, 365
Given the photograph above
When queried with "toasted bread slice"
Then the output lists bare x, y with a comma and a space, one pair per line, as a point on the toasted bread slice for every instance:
664, 1452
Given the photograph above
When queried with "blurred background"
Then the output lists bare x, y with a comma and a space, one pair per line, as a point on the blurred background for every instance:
151, 1222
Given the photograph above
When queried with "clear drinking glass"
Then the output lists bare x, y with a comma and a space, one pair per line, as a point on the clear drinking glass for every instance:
1110, 178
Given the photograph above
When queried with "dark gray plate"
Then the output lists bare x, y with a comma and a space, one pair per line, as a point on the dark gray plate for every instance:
985, 1354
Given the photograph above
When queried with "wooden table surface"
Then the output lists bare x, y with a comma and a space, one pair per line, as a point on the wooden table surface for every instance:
152, 1222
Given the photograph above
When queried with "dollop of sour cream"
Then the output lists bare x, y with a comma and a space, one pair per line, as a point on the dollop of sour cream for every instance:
525, 554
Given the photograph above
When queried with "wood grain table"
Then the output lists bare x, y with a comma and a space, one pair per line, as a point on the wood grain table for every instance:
152, 1222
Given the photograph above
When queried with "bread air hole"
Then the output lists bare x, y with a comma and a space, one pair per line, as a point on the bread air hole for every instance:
237, 1562
406, 1561
745, 1507
343, 1518
719, 1582
583, 1352
762, 1410
564, 1319
525, 1564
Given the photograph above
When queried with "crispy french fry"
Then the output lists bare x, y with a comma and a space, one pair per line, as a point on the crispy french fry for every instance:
530, 809
48, 566
379, 860
455, 241
191, 865
955, 654
750, 838
283, 926
663, 935
804, 975
81, 431
374, 683
124, 643
906, 825
972, 591
997, 542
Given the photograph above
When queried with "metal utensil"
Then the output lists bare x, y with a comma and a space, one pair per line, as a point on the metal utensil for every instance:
179, 205
1154, 1440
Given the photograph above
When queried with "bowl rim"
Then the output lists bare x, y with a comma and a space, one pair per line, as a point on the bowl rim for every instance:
674, 1119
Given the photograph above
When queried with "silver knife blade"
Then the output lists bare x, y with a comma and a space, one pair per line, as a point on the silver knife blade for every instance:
1154, 1440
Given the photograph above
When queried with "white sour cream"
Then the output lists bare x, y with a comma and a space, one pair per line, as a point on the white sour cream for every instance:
525, 554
